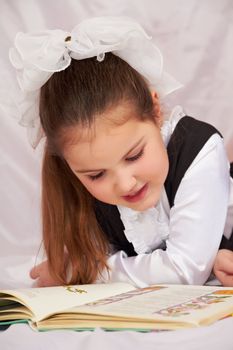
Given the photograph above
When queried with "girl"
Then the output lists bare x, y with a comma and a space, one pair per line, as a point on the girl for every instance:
126, 196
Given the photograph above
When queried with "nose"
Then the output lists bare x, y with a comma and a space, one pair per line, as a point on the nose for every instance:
125, 183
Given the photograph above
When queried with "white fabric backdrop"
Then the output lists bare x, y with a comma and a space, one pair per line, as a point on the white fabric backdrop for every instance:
196, 38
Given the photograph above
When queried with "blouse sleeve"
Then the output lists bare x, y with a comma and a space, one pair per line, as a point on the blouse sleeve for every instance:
197, 222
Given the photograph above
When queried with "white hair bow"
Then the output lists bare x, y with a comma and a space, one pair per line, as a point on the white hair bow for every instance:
36, 56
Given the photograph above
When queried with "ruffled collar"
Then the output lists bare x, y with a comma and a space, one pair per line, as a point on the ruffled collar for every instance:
145, 230
169, 125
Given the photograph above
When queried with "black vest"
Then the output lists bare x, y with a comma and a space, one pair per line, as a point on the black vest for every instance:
188, 138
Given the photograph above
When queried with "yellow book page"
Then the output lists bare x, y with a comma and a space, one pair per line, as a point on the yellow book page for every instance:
49, 300
182, 304
107, 324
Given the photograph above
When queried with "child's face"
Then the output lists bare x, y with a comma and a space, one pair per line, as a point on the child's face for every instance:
123, 164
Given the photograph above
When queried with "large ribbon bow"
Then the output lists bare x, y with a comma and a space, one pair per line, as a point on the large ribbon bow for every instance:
36, 56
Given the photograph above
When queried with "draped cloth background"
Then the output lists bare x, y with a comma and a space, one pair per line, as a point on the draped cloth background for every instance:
196, 39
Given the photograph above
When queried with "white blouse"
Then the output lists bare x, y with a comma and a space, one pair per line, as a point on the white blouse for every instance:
192, 228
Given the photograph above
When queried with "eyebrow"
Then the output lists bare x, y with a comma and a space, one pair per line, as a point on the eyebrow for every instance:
125, 156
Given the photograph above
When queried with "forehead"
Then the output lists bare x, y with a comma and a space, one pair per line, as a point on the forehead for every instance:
107, 121
106, 142
104, 124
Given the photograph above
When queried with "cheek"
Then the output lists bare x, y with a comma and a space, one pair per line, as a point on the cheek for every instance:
102, 194
155, 165
97, 189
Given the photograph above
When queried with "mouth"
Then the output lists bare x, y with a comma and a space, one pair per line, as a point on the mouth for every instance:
139, 195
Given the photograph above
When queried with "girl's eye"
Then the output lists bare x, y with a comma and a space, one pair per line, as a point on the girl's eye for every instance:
95, 177
137, 156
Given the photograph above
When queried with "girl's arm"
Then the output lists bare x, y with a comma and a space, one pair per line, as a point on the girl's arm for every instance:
197, 223
223, 267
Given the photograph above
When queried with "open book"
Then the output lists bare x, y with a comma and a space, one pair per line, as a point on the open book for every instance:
116, 306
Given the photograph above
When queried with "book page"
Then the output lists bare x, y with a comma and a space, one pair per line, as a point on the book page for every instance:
48, 300
191, 304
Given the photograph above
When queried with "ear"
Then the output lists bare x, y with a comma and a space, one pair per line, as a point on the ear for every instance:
157, 110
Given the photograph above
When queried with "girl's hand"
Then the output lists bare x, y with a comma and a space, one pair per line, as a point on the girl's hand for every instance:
41, 274
223, 267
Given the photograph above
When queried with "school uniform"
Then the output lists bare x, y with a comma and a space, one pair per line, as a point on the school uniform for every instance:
177, 240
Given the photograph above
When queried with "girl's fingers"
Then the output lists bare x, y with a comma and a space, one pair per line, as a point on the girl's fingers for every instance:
225, 279
39, 269
41, 274
224, 262
34, 273
223, 267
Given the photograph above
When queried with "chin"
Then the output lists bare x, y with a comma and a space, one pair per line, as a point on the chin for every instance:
142, 206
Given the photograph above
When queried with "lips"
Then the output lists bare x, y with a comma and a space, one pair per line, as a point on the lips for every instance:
139, 195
